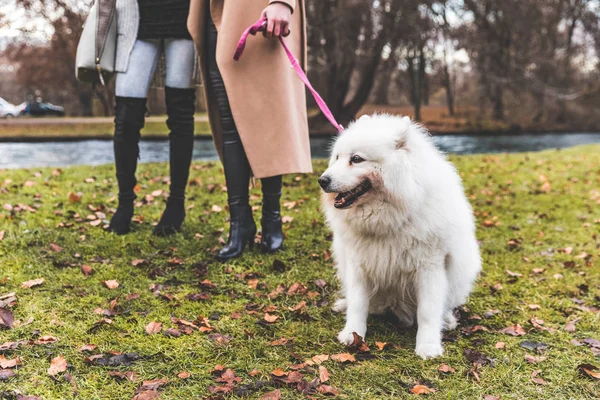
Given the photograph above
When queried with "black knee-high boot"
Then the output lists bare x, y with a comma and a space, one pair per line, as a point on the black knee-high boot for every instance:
272, 235
180, 112
235, 163
129, 121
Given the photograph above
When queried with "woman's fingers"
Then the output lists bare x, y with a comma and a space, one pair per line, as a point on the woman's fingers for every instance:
270, 27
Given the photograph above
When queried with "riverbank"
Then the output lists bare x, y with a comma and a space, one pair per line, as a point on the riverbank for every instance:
113, 312
435, 119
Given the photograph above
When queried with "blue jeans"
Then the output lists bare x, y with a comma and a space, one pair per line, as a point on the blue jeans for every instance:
180, 57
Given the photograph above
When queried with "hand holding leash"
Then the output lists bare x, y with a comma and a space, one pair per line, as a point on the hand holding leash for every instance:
260, 26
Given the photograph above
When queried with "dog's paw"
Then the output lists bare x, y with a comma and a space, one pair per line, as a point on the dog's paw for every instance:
346, 336
340, 305
429, 350
450, 321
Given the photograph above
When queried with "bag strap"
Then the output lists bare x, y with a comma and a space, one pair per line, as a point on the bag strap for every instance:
260, 26
105, 16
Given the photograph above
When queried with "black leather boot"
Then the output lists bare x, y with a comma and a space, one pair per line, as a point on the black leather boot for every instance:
180, 112
129, 121
242, 231
272, 234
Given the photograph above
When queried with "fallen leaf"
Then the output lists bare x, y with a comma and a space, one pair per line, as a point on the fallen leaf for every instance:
319, 358
2, 235
514, 330
422, 389
513, 274
323, 374
536, 379
274, 395
285, 219
6, 363
589, 370
490, 397
381, 345
500, 345
6, 374
270, 318
534, 306
7, 319
327, 390
534, 346
32, 283
45, 340
57, 365
570, 326
153, 327
153, 384
216, 208
129, 375
173, 332
74, 197
55, 248
111, 284
87, 347
533, 360
183, 375
343, 357
146, 395
86, 270
446, 369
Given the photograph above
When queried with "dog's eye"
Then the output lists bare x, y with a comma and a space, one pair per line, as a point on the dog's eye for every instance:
356, 159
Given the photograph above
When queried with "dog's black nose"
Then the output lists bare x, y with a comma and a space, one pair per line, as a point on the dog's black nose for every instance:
324, 181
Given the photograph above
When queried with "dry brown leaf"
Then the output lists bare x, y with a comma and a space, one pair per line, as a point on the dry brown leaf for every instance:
86, 270
111, 284
589, 370
446, 369
533, 360
7, 318
87, 347
323, 374
183, 375
45, 340
536, 379
153, 327
274, 395
500, 345
270, 318
153, 384
6, 363
319, 358
74, 197
216, 208
514, 330
343, 357
129, 375
32, 283
422, 389
57, 365
327, 390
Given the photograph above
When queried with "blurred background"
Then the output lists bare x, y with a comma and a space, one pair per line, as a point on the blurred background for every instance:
463, 67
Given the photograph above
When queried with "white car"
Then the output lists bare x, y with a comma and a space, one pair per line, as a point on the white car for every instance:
8, 110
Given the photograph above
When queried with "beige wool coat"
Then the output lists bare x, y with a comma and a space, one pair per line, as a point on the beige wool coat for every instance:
267, 99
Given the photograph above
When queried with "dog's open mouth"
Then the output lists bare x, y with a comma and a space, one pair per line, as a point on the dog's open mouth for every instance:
346, 199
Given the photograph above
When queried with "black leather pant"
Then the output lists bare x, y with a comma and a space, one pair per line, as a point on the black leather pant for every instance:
235, 161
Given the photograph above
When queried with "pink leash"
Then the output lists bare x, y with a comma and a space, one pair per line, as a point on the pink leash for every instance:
260, 26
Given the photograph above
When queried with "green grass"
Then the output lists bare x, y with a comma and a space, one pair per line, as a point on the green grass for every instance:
507, 191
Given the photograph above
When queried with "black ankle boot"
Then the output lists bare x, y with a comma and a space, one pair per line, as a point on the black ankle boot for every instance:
242, 230
171, 219
180, 112
129, 120
272, 234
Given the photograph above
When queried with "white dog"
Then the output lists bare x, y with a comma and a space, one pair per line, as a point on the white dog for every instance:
403, 230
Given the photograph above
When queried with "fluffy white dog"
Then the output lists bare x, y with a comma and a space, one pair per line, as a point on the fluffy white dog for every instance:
403, 230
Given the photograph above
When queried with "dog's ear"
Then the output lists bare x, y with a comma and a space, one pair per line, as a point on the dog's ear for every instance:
402, 131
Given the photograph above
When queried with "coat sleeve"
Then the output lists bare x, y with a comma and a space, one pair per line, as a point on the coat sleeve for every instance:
290, 3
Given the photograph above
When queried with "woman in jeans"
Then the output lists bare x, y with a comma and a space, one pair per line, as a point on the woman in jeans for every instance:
147, 30
256, 106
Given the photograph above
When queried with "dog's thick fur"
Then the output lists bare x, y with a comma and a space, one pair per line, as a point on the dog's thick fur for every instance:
408, 244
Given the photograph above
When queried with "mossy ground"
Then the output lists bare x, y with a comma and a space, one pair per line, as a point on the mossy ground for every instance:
531, 208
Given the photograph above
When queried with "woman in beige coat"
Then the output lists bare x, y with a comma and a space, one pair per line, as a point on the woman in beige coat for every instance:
257, 107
